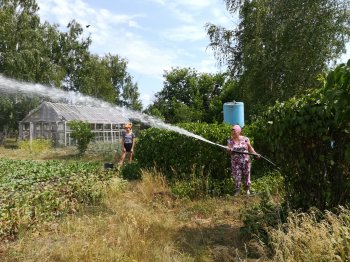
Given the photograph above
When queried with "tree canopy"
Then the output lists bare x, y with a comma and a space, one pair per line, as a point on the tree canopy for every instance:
190, 96
38, 52
279, 47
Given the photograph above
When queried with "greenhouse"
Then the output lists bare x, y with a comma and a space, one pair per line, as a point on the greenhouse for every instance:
51, 121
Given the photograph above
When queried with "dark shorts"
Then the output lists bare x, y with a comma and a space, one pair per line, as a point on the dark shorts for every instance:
128, 147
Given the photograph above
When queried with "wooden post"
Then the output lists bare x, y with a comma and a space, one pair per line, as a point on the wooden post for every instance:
20, 131
112, 133
31, 127
65, 133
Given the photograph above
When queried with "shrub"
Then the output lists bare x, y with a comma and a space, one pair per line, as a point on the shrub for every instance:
309, 138
261, 218
81, 131
131, 171
180, 157
10, 143
271, 183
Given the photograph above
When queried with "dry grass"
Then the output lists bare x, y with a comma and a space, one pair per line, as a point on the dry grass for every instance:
310, 240
56, 153
143, 222
64, 153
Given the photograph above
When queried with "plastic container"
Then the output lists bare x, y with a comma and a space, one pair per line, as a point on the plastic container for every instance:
234, 113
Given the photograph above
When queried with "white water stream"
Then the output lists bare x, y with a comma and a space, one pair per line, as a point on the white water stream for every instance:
11, 86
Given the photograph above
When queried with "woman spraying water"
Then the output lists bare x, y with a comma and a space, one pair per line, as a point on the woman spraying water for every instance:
240, 162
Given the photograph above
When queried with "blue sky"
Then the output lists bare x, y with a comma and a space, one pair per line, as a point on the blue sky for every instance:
153, 35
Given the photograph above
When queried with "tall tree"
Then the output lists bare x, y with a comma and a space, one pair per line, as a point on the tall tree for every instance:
107, 78
25, 44
189, 96
38, 52
279, 47
25, 55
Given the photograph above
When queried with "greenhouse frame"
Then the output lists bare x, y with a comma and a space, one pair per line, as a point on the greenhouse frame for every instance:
51, 121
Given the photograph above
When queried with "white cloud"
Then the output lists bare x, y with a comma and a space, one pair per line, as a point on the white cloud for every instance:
150, 49
194, 4
186, 33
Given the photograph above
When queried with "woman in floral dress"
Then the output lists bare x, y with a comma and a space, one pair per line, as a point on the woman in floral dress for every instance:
240, 163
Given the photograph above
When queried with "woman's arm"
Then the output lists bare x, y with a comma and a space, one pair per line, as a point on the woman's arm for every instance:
123, 147
133, 143
250, 147
229, 145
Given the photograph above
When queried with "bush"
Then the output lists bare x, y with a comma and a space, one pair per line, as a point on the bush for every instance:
174, 153
271, 183
81, 131
108, 151
309, 138
184, 159
197, 186
261, 218
131, 171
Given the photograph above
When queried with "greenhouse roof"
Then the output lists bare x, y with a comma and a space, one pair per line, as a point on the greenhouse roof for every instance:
52, 112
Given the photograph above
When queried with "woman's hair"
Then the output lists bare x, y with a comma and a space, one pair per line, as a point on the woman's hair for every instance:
128, 125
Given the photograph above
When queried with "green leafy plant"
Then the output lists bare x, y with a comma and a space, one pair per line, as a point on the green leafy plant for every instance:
81, 131
309, 138
258, 219
31, 191
131, 171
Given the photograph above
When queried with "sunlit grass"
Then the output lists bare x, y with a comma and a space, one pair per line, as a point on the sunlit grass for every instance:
304, 238
142, 222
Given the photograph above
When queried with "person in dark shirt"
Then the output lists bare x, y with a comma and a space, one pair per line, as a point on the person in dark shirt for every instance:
128, 143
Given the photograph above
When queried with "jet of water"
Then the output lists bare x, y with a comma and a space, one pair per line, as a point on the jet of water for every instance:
11, 86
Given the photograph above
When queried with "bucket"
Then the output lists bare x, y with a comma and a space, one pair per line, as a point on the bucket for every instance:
108, 165
234, 113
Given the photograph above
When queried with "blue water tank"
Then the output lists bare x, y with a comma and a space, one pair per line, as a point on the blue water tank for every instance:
234, 113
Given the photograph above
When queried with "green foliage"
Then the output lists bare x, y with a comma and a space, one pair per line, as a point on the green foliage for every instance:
196, 185
271, 183
259, 219
31, 192
35, 146
189, 96
179, 155
131, 171
278, 49
108, 151
309, 139
81, 131
38, 52
193, 165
